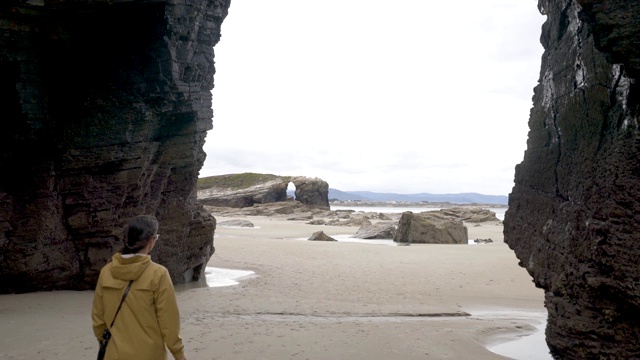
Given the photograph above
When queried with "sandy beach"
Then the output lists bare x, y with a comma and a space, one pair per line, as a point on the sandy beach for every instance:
316, 300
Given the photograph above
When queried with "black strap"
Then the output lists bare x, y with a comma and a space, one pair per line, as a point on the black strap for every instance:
121, 301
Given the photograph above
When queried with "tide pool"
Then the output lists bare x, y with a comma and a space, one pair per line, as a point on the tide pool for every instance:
218, 277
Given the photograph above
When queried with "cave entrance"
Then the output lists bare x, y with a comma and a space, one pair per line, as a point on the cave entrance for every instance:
291, 191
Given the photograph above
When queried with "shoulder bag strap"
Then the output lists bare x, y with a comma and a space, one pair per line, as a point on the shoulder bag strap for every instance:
121, 301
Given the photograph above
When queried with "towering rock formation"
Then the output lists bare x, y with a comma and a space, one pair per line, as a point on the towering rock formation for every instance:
573, 213
104, 105
312, 191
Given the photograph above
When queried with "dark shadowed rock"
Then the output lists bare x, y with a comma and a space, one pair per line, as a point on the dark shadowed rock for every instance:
378, 231
313, 192
236, 223
321, 236
573, 212
430, 227
105, 107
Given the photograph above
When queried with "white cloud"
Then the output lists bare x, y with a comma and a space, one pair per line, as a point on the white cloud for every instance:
405, 96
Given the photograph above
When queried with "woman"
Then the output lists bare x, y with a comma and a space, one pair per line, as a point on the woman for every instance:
148, 318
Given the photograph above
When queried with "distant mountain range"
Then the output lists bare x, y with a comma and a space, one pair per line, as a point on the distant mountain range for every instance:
462, 198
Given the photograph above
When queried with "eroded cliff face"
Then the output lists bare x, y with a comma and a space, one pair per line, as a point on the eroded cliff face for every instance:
104, 107
230, 191
573, 213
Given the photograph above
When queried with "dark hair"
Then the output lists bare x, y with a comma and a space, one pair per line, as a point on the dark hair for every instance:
138, 233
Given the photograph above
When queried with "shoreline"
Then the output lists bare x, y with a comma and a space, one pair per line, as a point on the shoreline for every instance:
490, 279
314, 300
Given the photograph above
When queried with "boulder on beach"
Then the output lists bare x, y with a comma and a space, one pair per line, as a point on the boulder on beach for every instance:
471, 214
301, 217
321, 236
236, 223
317, 222
377, 231
349, 222
382, 216
430, 228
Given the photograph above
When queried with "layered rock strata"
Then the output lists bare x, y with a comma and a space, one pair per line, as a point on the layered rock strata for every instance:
249, 189
271, 191
573, 213
105, 106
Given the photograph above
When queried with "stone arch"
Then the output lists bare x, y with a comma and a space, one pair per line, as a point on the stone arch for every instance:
312, 191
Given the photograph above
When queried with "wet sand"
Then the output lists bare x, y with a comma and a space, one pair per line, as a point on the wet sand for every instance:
316, 300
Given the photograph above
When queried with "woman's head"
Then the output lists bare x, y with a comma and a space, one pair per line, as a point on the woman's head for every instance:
139, 232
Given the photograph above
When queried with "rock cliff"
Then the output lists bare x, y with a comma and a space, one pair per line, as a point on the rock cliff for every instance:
573, 212
248, 189
105, 106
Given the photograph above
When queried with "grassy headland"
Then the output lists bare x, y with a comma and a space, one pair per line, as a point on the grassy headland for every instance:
236, 181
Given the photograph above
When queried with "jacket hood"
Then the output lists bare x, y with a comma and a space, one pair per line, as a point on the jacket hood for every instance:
129, 268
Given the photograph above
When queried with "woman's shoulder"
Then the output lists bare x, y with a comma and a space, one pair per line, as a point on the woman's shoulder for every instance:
155, 265
157, 269
152, 276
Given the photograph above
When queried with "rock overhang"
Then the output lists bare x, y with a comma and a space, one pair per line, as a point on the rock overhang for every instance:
108, 104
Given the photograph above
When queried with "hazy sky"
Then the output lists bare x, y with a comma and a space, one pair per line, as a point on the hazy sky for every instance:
402, 96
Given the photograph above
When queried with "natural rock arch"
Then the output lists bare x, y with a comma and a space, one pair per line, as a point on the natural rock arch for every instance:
247, 189
312, 191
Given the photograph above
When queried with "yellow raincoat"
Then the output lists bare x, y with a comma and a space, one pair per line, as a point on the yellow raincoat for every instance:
149, 316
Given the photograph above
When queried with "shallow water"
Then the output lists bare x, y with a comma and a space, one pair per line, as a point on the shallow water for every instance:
348, 238
530, 347
218, 277
388, 242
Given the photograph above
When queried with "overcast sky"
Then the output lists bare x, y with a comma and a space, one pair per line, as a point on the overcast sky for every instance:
404, 96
